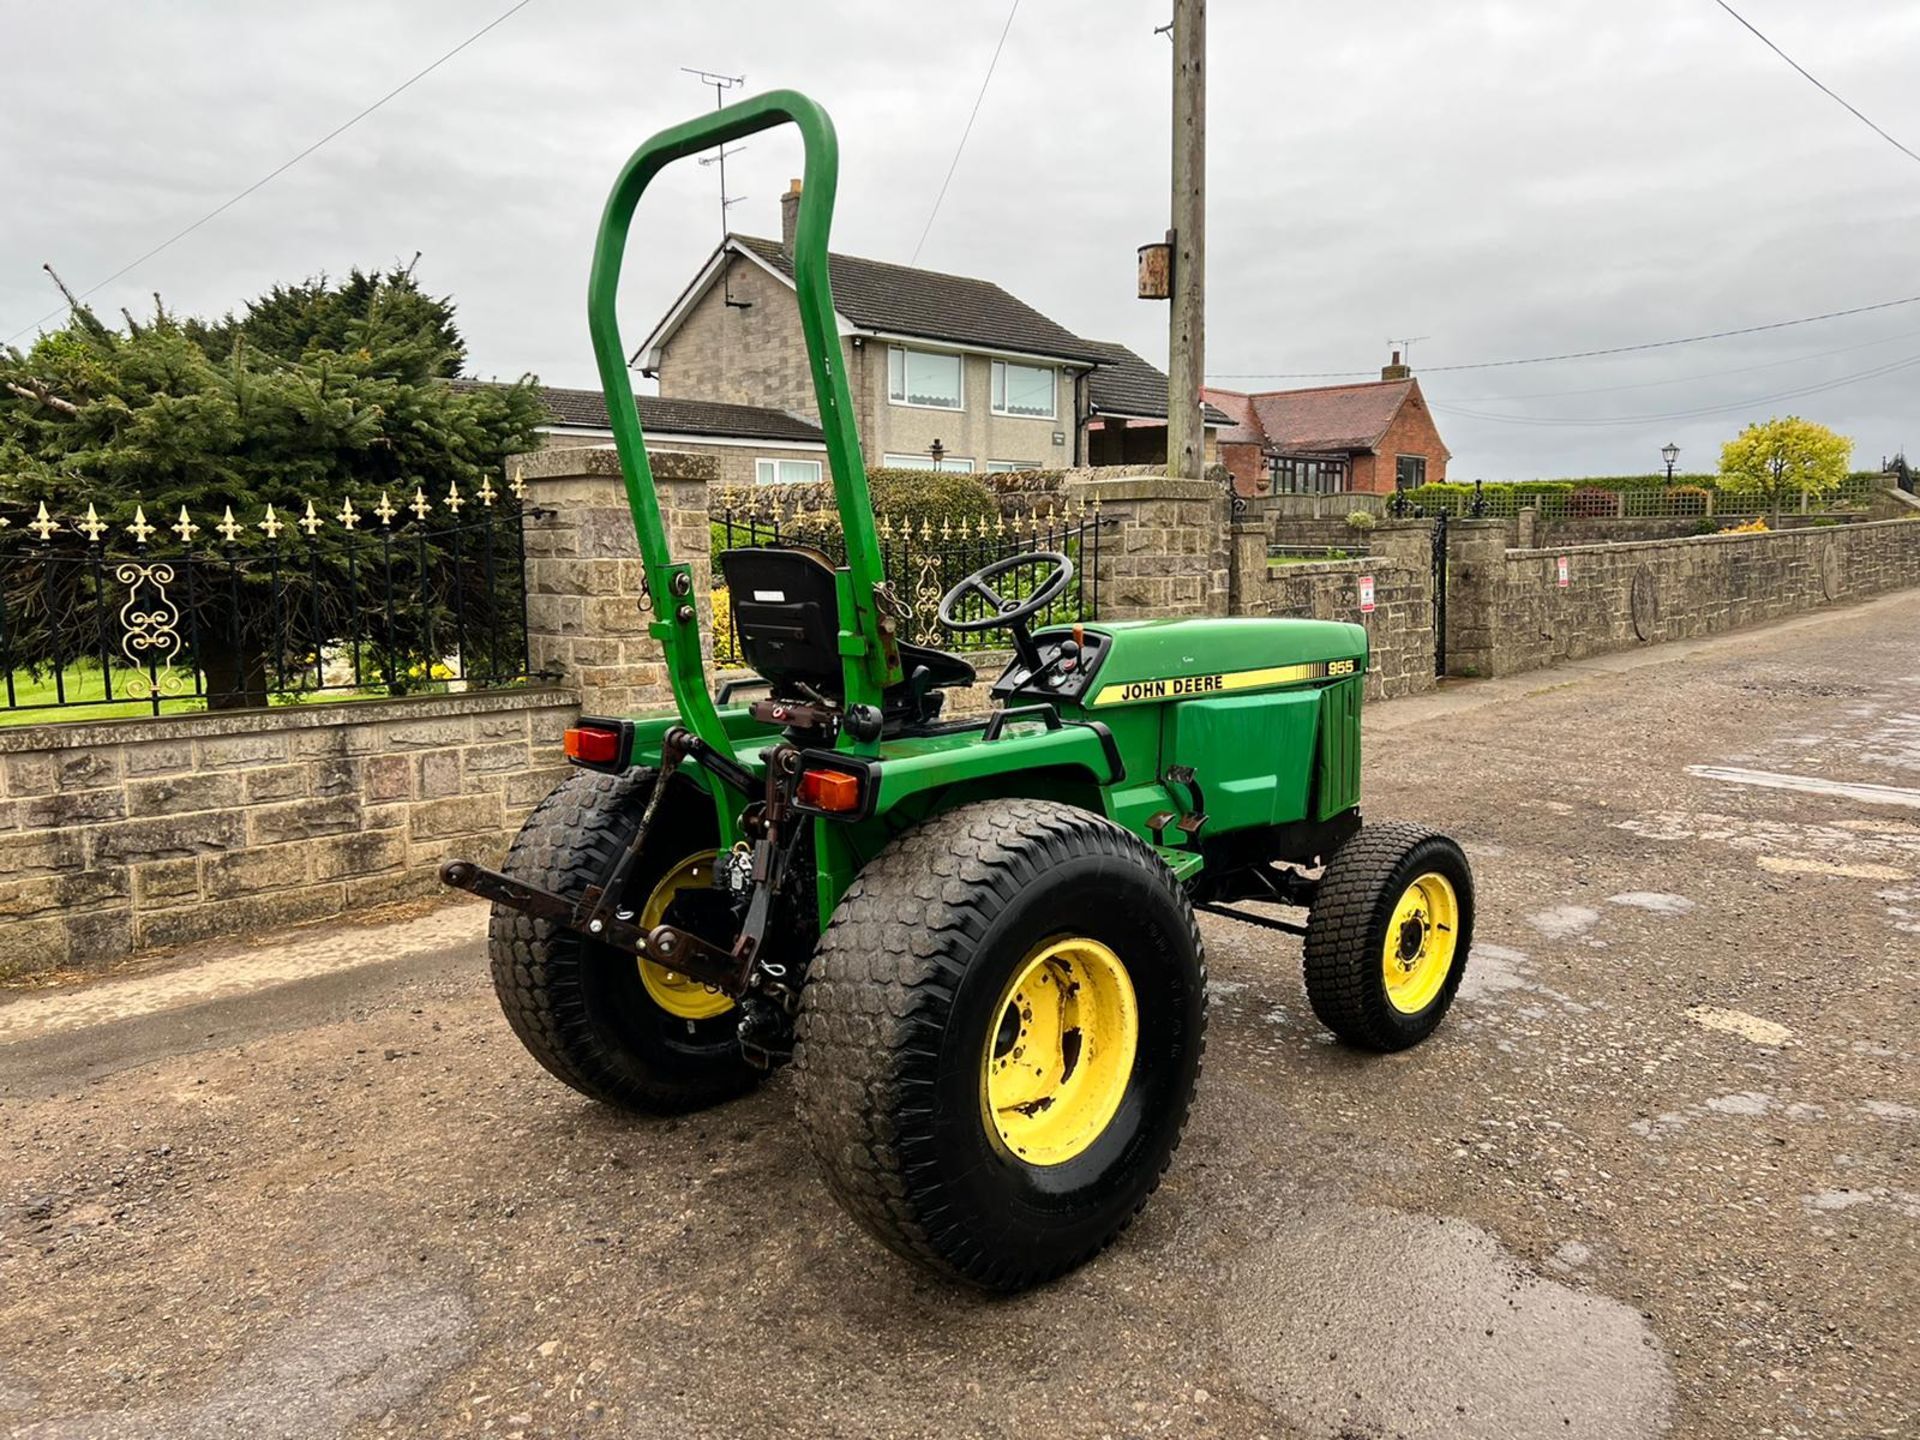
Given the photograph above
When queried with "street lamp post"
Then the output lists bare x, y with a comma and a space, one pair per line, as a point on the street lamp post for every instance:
1669, 453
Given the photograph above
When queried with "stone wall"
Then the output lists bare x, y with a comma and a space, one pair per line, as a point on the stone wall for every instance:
1619, 596
587, 611
125, 835
1164, 546
1400, 626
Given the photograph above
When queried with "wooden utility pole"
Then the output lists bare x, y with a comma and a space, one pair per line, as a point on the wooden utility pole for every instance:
1187, 315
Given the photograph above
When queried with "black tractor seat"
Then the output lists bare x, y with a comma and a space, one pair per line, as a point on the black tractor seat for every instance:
787, 621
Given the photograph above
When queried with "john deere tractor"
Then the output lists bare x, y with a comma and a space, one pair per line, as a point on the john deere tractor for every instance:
974, 939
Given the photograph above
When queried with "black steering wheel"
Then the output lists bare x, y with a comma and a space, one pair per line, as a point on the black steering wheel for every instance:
1001, 610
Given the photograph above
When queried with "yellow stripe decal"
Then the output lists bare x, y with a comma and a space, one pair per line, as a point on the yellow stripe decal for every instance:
1179, 687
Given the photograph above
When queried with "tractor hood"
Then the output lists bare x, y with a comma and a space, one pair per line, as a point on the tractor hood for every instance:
1149, 660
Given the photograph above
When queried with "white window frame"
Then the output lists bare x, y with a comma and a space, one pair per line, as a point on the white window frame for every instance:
899, 397
766, 470
1420, 461
997, 385
1012, 467
949, 464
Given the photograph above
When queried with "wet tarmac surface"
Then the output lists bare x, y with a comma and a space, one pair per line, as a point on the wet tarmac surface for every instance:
1657, 1174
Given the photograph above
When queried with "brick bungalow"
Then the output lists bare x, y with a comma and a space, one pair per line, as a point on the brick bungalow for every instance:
1377, 436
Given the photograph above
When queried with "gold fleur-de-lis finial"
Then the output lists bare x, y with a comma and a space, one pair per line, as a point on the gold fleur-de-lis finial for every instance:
310, 522
487, 493
184, 526
92, 527
228, 527
1000, 525
273, 524
349, 516
140, 529
385, 509
421, 505
519, 485
946, 527
453, 501
43, 524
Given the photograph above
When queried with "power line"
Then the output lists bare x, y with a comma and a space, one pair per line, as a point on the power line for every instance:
1694, 378
1816, 84
1574, 354
1584, 421
332, 134
1011, 12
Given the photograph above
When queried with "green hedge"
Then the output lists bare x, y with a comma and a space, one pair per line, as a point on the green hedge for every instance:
930, 495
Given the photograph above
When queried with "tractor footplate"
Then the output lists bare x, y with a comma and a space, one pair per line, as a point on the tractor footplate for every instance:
678, 950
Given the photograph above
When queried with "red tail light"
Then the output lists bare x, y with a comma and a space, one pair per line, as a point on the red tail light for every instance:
591, 746
834, 791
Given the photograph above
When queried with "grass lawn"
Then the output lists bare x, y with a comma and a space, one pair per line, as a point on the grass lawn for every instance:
84, 684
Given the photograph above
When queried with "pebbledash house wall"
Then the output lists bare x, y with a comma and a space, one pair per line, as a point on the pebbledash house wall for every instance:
757, 355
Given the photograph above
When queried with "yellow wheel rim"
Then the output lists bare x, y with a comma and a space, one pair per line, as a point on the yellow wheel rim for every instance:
1422, 939
672, 991
1061, 1050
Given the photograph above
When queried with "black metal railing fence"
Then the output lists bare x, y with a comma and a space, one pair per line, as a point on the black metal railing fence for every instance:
106, 613
922, 561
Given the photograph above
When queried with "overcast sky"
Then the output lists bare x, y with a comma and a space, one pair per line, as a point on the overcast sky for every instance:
1508, 178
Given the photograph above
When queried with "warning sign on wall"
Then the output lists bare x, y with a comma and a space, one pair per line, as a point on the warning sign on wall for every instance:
1560, 570
1366, 594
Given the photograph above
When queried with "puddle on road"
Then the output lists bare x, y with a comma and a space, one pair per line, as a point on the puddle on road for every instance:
1564, 922
358, 1351
1360, 1321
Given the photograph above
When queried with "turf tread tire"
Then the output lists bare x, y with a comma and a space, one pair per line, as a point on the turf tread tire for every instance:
540, 970
882, 984
1341, 956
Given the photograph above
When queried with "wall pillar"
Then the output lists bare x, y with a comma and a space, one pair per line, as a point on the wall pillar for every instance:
587, 611
1476, 567
1165, 547
1248, 540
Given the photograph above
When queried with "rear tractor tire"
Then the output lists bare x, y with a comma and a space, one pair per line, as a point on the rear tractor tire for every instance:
1388, 936
999, 1039
618, 1029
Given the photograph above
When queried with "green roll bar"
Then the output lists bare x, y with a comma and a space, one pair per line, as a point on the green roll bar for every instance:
869, 653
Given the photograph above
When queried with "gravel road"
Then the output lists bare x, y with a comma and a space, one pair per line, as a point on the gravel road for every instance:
1656, 1175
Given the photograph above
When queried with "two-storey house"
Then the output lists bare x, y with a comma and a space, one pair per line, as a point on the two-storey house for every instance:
945, 370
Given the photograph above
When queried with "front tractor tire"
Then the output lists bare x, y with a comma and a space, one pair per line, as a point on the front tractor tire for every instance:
617, 1029
1388, 936
999, 1039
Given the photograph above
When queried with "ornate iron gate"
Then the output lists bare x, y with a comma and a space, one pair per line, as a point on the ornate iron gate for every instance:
1440, 593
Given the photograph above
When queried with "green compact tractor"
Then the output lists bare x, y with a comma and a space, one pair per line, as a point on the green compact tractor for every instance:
973, 939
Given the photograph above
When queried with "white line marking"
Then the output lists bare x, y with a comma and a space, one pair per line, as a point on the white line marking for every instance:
1810, 784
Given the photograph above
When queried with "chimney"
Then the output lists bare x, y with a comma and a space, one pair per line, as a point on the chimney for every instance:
790, 215
1395, 370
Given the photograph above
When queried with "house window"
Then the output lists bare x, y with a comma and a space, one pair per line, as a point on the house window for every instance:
785, 472
952, 464
1025, 390
925, 378
1300, 475
1409, 471
1010, 467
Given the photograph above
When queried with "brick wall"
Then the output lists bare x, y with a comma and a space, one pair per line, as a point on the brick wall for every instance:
1412, 433
124, 835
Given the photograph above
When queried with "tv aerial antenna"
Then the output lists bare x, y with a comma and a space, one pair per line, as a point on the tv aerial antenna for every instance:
720, 85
